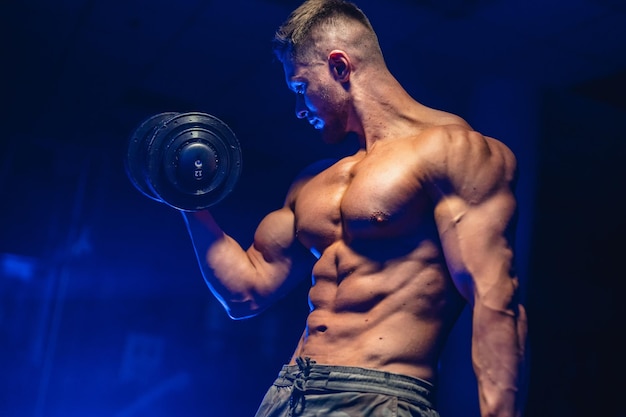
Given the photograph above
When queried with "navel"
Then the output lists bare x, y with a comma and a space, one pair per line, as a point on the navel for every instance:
321, 328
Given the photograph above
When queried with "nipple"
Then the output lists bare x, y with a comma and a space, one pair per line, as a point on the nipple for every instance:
378, 217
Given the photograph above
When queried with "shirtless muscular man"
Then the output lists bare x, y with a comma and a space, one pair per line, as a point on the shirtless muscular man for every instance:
397, 238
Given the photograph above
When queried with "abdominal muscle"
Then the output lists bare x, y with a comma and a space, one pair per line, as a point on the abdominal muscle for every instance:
392, 315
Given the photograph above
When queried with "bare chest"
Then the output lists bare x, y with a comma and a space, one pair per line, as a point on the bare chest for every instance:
368, 198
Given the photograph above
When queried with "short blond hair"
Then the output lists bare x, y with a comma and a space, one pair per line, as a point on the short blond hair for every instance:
294, 39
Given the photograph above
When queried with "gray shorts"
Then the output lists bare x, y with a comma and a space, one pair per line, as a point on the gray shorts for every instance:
308, 389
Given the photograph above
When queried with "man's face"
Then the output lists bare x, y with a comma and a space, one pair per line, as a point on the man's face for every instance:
318, 98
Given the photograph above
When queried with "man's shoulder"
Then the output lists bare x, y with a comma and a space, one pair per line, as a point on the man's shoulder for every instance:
443, 136
458, 157
305, 175
460, 141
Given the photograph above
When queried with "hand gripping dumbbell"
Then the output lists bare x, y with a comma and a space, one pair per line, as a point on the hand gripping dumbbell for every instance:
189, 161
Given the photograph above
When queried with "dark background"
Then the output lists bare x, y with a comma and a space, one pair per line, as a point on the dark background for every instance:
103, 311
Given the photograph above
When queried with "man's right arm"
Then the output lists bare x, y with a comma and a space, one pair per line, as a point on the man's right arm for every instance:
248, 281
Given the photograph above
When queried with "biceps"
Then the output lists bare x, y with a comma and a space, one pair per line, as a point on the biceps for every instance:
276, 254
475, 240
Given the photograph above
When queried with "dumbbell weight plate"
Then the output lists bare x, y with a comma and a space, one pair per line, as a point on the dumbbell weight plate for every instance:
194, 161
136, 160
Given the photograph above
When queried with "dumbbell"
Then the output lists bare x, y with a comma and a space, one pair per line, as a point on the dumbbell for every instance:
189, 161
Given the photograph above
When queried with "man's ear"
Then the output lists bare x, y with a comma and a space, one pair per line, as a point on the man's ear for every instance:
339, 65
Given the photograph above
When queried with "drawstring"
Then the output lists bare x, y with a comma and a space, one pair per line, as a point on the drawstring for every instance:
296, 401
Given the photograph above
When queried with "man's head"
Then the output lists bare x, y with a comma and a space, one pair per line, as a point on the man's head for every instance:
324, 46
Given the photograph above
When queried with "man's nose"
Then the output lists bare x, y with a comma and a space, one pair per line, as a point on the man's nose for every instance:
302, 111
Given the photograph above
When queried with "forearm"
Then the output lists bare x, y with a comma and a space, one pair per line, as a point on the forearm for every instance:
225, 265
497, 352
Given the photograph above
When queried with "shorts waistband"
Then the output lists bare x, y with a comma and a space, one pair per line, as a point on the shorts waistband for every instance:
310, 377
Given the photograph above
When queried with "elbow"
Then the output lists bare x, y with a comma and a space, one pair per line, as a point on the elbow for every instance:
238, 306
242, 310
239, 314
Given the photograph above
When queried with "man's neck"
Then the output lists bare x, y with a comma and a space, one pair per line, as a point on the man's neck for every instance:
383, 110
